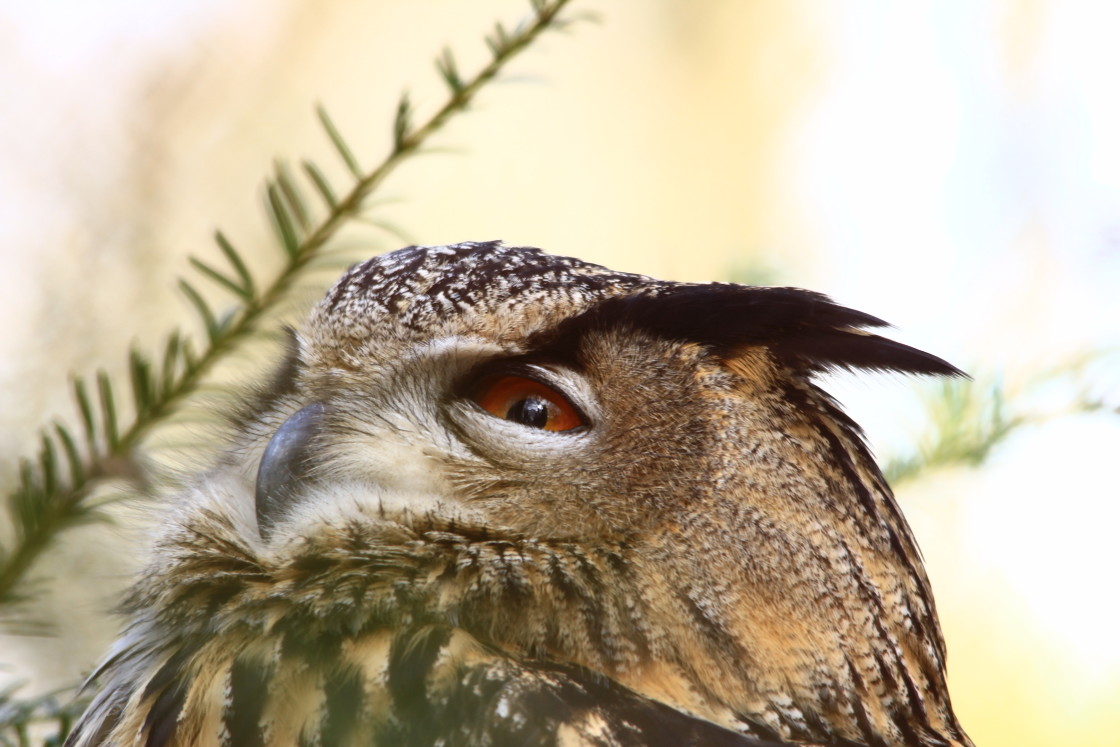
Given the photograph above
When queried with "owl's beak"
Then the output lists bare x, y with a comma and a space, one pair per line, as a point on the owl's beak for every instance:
286, 462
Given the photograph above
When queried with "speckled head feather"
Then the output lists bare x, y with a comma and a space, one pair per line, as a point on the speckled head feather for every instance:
500, 497
517, 293
420, 290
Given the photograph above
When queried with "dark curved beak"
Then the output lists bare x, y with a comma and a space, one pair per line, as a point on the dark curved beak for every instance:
287, 460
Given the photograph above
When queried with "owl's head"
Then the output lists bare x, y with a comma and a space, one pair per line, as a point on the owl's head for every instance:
560, 399
542, 398
497, 490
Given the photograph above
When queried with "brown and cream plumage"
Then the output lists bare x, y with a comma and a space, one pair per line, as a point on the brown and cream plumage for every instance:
499, 497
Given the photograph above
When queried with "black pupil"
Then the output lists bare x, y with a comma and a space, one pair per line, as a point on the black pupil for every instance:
531, 411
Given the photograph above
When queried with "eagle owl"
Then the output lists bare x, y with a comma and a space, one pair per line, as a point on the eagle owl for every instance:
498, 497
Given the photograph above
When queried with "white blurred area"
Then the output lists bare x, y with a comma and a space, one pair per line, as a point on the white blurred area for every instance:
952, 167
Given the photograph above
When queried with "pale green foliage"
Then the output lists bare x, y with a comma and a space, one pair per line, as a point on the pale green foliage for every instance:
966, 420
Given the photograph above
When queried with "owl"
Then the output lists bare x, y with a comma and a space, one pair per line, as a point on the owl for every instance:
498, 497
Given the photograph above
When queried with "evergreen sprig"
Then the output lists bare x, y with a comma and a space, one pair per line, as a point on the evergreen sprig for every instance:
55, 488
967, 420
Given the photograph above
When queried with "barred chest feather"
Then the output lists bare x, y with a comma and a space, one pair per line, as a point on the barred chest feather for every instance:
379, 633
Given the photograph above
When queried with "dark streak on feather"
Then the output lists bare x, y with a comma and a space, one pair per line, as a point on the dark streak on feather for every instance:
249, 691
169, 689
343, 699
411, 657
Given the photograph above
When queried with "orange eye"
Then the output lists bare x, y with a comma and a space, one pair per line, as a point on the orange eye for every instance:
528, 402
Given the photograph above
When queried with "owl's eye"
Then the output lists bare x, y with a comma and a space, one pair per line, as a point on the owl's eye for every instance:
526, 401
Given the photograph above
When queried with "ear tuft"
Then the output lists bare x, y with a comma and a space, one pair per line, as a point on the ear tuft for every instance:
804, 330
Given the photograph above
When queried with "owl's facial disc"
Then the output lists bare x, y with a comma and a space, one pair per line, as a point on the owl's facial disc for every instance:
397, 440
286, 461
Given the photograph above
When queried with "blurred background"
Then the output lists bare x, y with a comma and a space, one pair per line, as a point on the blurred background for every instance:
952, 167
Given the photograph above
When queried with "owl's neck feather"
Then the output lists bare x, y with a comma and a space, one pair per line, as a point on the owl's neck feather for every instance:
599, 606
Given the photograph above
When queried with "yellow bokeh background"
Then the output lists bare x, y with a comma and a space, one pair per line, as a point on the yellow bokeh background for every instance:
952, 167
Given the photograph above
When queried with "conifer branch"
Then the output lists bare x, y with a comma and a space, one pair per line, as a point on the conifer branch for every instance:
54, 490
968, 420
